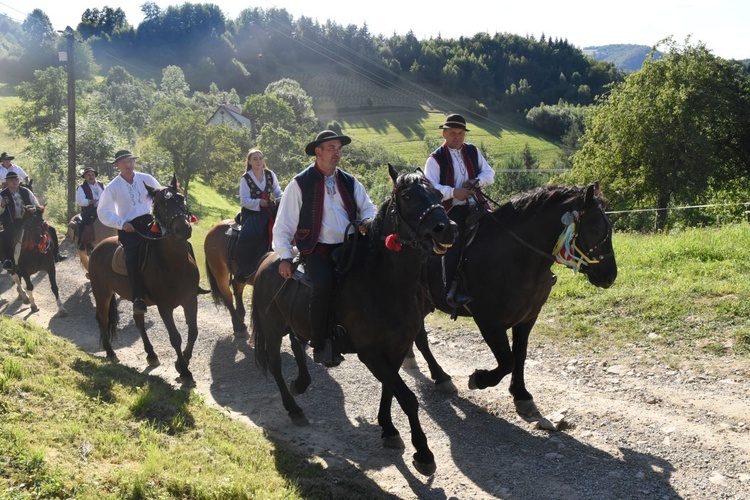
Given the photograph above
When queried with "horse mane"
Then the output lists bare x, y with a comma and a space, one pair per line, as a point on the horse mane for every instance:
539, 199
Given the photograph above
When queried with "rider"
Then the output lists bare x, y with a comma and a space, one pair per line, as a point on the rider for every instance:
259, 190
13, 199
457, 168
87, 197
7, 166
125, 206
315, 212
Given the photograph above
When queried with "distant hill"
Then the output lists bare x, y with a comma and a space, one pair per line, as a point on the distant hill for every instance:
627, 57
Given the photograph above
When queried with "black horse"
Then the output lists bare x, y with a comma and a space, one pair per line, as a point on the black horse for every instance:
375, 303
37, 254
507, 272
170, 274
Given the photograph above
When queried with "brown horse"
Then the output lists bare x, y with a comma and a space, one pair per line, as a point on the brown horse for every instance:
36, 254
221, 270
91, 237
170, 274
375, 305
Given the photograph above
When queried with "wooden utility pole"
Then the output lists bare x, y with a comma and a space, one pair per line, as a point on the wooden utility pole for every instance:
72, 174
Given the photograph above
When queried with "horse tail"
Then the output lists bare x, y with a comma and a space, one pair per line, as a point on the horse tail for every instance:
215, 293
112, 319
261, 356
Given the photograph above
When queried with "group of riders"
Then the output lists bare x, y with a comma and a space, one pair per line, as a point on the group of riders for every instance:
304, 224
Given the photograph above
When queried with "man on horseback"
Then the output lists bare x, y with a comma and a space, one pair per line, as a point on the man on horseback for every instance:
87, 197
315, 212
125, 206
13, 199
6, 166
457, 168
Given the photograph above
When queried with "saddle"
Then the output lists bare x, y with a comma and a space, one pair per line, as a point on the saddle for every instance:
118, 259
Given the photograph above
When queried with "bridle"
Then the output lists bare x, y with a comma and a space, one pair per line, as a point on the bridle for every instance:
566, 250
165, 229
397, 219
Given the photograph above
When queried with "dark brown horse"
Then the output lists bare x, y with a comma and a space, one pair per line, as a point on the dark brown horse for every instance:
170, 274
375, 304
37, 254
508, 274
221, 270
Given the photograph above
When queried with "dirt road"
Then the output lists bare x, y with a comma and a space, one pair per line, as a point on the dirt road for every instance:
631, 427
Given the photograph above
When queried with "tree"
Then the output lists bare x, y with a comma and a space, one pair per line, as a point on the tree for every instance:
43, 103
669, 131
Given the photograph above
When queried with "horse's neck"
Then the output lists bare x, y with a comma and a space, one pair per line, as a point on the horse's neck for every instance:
539, 232
174, 251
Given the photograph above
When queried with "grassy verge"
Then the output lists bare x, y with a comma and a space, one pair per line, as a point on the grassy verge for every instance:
77, 426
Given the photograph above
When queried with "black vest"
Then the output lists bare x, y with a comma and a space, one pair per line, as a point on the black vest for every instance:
10, 207
311, 182
471, 160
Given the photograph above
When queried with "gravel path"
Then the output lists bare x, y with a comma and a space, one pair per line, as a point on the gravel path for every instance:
630, 427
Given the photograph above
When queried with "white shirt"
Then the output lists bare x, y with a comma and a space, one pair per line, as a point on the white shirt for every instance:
81, 199
122, 202
486, 174
335, 217
13, 168
254, 203
18, 202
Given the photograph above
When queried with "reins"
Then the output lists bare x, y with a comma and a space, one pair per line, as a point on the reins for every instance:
413, 240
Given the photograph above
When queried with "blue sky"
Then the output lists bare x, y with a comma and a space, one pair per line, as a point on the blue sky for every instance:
721, 24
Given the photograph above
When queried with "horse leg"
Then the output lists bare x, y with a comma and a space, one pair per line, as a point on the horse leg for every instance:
19, 288
181, 364
302, 382
443, 381
273, 355
106, 318
191, 318
140, 324
390, 436
522, 398
30, 291
497, 340
52, 276
238, 311
393, 385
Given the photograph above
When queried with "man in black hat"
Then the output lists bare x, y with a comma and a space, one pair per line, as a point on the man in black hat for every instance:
457, 169
12, 200
6, 166
87, 197
315, 212
125, 206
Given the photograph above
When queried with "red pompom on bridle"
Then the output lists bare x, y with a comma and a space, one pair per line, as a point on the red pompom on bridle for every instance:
392, 243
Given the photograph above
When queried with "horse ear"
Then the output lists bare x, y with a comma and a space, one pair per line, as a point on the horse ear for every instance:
174, 184
592, 191
392, 172
418, 170
150, 190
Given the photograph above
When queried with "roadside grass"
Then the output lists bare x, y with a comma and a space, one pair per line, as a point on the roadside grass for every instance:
680, 296
78, 426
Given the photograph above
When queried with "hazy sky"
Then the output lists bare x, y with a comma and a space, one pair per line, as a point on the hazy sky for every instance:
721, 24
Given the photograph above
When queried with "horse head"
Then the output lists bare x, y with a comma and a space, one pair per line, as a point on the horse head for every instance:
170, 210
34, 232
594, 240
416, 215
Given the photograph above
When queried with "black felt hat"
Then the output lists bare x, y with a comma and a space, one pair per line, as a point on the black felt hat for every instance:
11, 175
455, 121
89, 169
326, 135
6, 156
122, 154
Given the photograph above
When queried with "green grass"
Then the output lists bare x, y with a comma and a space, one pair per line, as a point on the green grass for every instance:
404, 130
74, 425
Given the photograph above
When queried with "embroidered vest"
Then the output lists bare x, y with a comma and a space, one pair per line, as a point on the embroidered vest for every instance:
255, 191
470, 156
312, 184
10, 206
87, 192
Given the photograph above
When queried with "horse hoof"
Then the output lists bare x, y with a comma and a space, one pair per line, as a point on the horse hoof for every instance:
527, 408
473, 383
35, 308
394, 442
409, 364
299, 419
186, 382
447, 387
113, 359
153, 360
62, 313
242, 334
426, 469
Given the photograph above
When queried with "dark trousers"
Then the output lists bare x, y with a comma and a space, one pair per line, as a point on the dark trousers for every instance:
131, 245
320, 268
451, 258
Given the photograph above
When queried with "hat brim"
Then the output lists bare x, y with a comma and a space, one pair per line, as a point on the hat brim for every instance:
310, 148
9, 158
83, 174
454, 125
124, 158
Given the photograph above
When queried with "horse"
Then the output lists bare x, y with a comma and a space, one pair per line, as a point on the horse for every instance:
170, 274
375, 304
36, 254
221, 271
507, 272
92, 235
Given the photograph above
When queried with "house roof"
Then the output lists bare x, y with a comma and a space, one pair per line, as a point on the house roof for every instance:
232, 113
